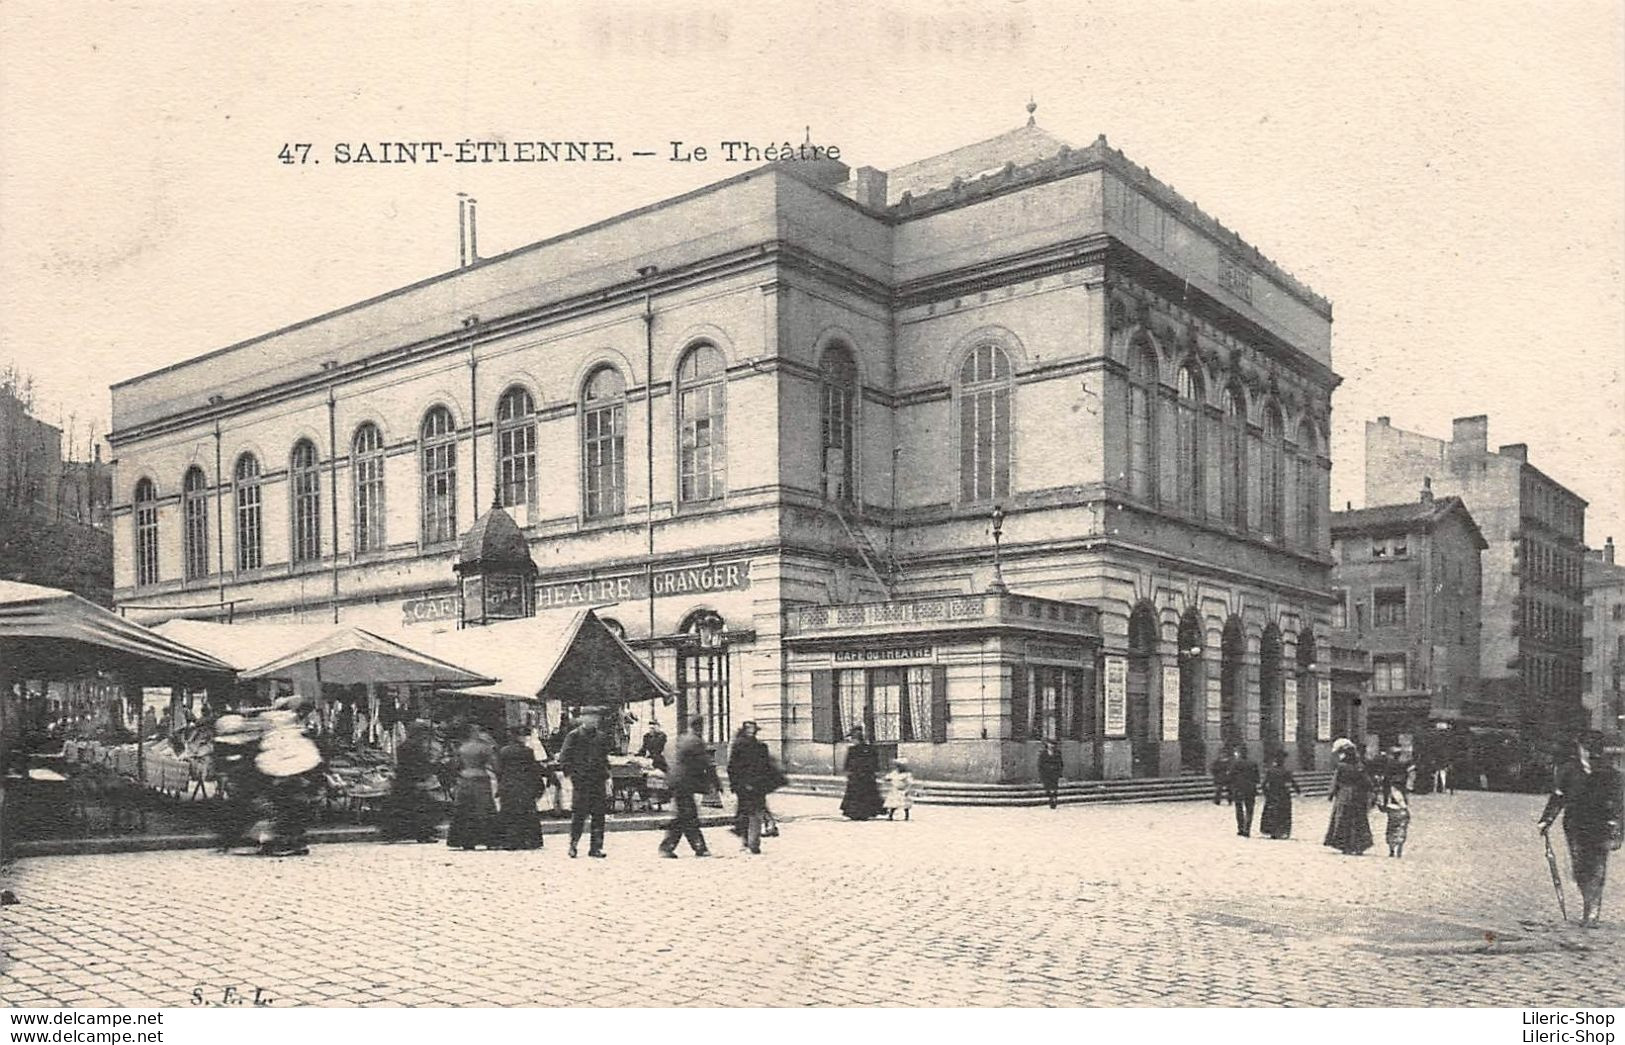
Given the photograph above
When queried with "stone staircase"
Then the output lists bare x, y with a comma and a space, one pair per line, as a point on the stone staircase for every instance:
1071, 792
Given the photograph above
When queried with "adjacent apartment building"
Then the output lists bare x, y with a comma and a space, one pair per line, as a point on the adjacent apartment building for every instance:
774, 427
1407, 585
1602, 686
1532, 597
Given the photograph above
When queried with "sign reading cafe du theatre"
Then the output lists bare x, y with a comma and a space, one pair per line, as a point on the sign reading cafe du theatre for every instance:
632, 587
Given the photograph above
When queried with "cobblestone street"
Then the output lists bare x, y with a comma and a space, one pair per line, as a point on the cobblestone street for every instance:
1106, 905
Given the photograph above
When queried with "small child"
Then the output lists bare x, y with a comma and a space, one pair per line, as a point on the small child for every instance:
1399, 821
899, 789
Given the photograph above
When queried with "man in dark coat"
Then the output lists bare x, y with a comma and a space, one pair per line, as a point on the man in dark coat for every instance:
585, 760
1243, 790
1381, 770
519, 783
692, 773
1221, 777
1049, 771
753, 776
1589, 796
654, 746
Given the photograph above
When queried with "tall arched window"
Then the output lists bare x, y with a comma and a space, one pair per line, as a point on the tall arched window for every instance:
195, 514
516, 448
702, 445
1306, 484
146, 533
305, 480
246, 492
1142, 428
1188, 451
984, 424
1271, 474
1233, 460
838, 404
437, 463
603, 444
367, 475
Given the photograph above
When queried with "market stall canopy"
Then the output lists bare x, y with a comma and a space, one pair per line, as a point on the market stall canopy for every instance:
568, 656
54, 634
351, 656
245, 645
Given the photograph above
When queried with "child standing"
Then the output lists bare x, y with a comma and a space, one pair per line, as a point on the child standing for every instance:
899, 789
1399, 821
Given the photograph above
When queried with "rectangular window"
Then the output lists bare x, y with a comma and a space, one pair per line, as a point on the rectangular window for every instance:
516, 464
1340, 608
1586, 650
439, 492
369, 501
824, 728
984, 433
1619, 611
307, 514
1390, 606
886, 704
605, 450
146, 543
1586, 680
1388, 673
702, 445
852, 705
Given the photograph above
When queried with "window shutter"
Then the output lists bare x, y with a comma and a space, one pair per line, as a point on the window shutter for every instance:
823, 707
1018, 702
939, 704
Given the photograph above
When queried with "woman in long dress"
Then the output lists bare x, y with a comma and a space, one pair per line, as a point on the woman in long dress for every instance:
473, 810
519, 784
1349, 831
1279, 786
409, 812
862, 799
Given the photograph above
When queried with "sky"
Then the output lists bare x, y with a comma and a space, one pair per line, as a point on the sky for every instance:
1450, 174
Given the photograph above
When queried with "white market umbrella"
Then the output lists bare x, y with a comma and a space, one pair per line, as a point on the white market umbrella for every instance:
352, 656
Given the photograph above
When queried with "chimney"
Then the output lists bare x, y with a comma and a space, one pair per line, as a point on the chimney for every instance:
473, 235
1427, 490
1516, 450
468, 248
1470, 434
1383, 421
1608, 551
869, 188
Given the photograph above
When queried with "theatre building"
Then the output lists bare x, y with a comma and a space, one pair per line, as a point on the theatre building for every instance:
1007, 443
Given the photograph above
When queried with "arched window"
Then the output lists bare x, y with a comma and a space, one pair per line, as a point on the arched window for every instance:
516, 448
246, 492
838, 403
146, 533
195, 514
437, 463
1233, 460
984, 425
1306, 466
1142, 404
702, 445
603, 444
1270, 474
1188, 451
305, 479
367, 474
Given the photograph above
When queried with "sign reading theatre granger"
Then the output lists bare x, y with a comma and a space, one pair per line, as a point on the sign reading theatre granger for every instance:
1005, 444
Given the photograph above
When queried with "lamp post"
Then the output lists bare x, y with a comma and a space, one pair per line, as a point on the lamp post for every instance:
997, 585
646, 272
219, 512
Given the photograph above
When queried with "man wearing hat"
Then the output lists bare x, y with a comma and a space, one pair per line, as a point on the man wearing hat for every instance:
693, 773
585, 760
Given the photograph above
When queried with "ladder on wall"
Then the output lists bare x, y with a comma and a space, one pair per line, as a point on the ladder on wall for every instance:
882, 568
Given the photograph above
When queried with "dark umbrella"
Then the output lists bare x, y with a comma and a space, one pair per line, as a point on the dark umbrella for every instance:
1557, 878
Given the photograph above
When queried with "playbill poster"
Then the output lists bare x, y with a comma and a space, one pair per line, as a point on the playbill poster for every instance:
565, 505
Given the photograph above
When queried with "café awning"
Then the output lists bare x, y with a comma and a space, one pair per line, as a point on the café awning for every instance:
54, 634
568, 656
352, 656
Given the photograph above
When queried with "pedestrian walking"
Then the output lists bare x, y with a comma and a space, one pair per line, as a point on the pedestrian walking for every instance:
1441, 778
1398, 811
519, 784
1589, 797
1279, 787
1221, 777
1349, 830
409, 811
236, 742
899, 789
1243, 790
752, 775
585, 760
862, 799
1049, 771
693, 773
288, 759
473, 803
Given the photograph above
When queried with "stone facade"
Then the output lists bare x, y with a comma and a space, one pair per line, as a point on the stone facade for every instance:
840, 389
1407, 585
1602, 690
1532, 601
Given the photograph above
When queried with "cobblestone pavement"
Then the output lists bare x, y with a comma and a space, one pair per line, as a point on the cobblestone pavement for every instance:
1104, 905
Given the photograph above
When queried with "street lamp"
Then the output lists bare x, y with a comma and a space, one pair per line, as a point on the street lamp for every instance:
998, 586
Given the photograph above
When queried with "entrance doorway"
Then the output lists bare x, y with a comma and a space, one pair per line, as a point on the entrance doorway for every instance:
1308, 699
1142, 655
1271, 723
1232, 705
1192, 703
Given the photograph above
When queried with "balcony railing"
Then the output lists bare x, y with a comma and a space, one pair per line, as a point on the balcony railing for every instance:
942, 610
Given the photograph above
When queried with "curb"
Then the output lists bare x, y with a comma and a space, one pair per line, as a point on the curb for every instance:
315, 836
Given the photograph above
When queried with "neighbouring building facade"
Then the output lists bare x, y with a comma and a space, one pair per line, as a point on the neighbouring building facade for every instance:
777, 429
1532, 597
1602, 688
1406, 583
